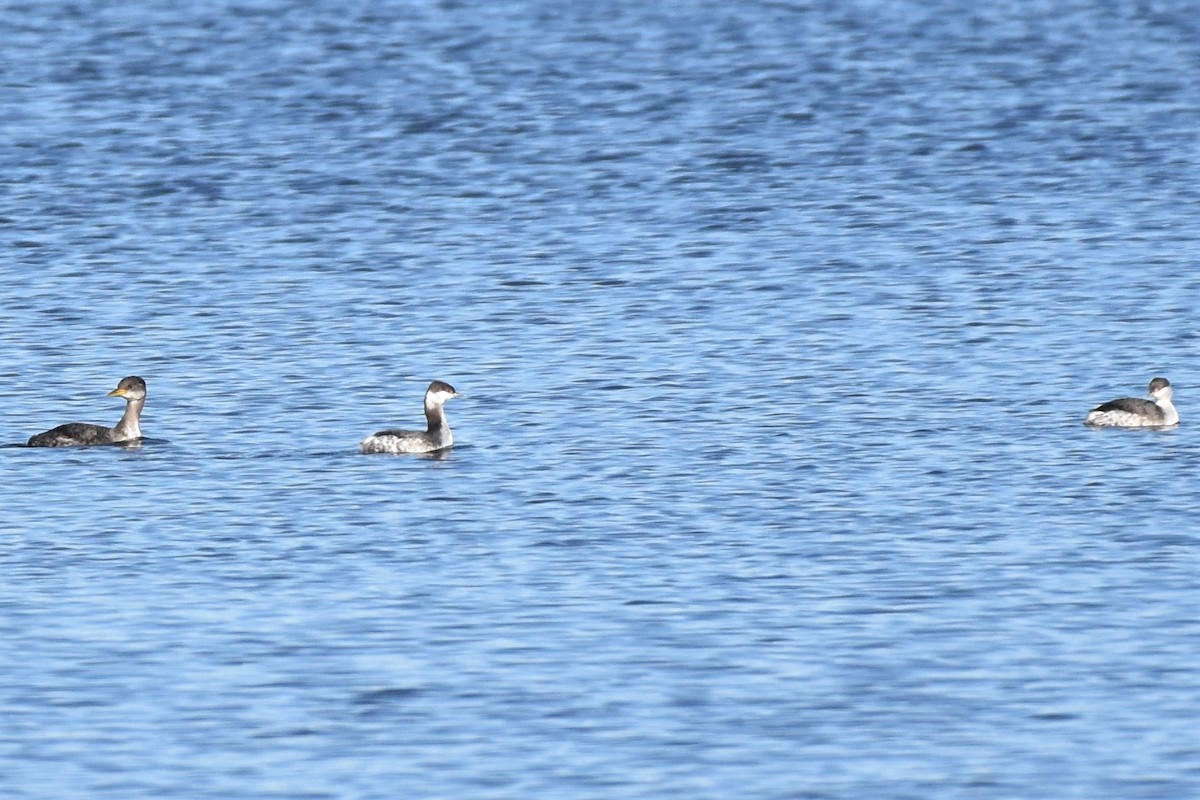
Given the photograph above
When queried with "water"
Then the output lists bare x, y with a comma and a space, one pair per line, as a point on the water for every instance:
776, 323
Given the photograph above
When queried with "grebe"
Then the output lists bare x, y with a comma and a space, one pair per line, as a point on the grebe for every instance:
1133, 412
437, 437
133, 389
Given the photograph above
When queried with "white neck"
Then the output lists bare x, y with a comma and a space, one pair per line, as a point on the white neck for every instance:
1170, 415
129, 427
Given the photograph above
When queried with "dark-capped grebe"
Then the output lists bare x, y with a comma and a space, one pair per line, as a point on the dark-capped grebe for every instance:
437, 437
1133, 412
133, 389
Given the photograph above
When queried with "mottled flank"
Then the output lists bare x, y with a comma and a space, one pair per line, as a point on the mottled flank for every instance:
133, 390
406, 442
1134, 412
436, 436
73, 433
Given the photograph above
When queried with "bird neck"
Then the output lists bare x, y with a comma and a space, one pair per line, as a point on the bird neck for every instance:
129, 427
435, 416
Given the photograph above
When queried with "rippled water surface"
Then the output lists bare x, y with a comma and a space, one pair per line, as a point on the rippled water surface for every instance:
776, 323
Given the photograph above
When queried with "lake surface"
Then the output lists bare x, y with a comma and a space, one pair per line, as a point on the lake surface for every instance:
775, 321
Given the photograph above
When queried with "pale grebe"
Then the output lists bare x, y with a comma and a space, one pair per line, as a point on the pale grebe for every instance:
1133, 412
133, 389
437, 437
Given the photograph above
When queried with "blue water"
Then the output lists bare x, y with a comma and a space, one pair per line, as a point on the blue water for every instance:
776, 323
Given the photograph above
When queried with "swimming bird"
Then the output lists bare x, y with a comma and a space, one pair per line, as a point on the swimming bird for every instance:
436, 437
1134, 412
133, 389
